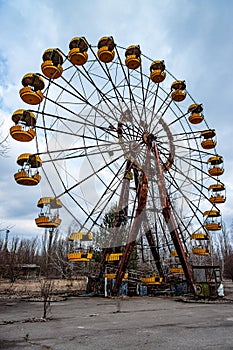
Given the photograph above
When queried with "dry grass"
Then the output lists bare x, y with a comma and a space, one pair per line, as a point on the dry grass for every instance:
33, 287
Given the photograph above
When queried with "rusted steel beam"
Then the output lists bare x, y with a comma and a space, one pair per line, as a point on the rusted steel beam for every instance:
170, 220
142, 199
154, 252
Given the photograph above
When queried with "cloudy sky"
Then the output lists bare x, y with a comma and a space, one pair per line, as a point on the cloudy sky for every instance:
194, 37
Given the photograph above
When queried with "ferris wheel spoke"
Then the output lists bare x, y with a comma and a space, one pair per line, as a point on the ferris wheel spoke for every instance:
155, 97
148, 89
84, 123
77, 95
198, 187
64, 205
162, 237
187, 180
117, 92
88, 76
119, 97
194, 150
81, 207
143, 94
108, 99
178, 118
183, 138
133, 104
88, 177
99, 202
81, 136
115, 236
70, 156
188, 200
99, 176
163, 112
191, 164
85, 74
180, 155
182, 134
99, 208
136, 103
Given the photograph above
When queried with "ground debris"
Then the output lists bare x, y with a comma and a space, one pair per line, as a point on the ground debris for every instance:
204, 300
26, 320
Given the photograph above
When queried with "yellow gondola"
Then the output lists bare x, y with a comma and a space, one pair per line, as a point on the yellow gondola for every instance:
49, 215
215, 165
81, 256
26, 176
133, 57
177, 270
106, 51
178, 94
208, 141
213, 220
81, 236
173, 253
201, 250
153, 280
217, 193
52, 63
23, 178
78, 51
23, 130
47, 222
52, 202
200, 236
202, 240
114, 257
80, 247
157, 74
32, 160
195, 116
111, 276
31, 92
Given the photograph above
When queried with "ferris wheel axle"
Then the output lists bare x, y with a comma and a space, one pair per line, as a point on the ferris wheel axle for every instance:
148, 138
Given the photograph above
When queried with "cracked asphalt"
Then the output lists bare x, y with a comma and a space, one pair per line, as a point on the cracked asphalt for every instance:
146, 323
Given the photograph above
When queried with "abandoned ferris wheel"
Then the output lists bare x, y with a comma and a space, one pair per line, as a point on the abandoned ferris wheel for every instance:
112, 127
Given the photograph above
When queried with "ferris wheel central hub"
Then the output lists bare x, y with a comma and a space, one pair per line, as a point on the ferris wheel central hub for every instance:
148, 138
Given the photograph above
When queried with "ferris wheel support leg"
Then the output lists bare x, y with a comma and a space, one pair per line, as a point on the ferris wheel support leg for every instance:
139, 216
154, 251
127, 252
170, 220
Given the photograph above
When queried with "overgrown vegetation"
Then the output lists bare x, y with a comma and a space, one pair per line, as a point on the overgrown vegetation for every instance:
48, 257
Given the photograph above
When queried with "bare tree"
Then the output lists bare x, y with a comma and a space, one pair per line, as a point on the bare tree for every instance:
223, 242
46, 288
12, 259
4, 147
16, 252
228, 267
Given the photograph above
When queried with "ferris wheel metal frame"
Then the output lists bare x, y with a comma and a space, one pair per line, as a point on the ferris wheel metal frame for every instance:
131, 133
